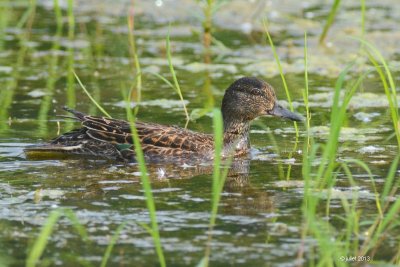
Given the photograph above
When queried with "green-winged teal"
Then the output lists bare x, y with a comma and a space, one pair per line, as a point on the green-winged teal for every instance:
246, 99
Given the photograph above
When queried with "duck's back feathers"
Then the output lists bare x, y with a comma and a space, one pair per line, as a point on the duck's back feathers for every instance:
112, 138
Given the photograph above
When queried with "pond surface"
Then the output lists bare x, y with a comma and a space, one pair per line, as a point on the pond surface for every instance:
259, 221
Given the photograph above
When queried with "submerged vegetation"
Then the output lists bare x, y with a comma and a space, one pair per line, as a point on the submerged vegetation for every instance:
336, 226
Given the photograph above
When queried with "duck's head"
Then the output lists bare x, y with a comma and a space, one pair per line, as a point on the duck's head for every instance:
248, 98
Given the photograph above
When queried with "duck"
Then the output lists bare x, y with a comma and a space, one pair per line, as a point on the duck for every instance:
244, 100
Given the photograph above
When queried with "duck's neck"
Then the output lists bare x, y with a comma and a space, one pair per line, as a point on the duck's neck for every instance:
236, 137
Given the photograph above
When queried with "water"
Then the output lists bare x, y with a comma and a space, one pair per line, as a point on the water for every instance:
259, 221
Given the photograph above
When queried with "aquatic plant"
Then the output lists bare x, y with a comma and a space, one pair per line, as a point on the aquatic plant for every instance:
207, 29
135, 57
329, 20
288, 97
153, 230
175, 79
306, 93
334, 245
36, 251
323, 178
331, 17
278, 63
218, 179
351, 232
71, 95
146, 184
7, 93
52, 70
175, 86
4, 20
110, 246
209, 8
91, 97
388, 83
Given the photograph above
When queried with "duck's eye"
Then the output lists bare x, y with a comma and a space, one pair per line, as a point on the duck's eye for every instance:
256, 91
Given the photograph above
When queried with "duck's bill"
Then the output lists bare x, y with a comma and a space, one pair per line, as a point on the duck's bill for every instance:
282, 112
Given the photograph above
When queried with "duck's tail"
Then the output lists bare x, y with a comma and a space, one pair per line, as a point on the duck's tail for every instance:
77, 142
64, 146
77, 114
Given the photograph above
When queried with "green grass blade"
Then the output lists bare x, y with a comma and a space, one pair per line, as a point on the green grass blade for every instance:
90, 97
146, 185
54, 75
388, 83
371, 177
145, 180
388, 186
286, 91
162, 78
27, 14
218, 144
71, 94
329, 154
306, 90
207, 29
363, 15
329, 21
110, 246
203, 262
275, 147
132, 45
281, 73
80, 229
278, 62
175, 79
41, 242
218, 178
338, 115
390, 216
146, 227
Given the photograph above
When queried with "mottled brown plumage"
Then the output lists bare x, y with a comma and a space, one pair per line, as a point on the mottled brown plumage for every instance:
246, 99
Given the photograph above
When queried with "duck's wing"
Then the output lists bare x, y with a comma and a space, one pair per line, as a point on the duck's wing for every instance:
151, 135
173, 137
